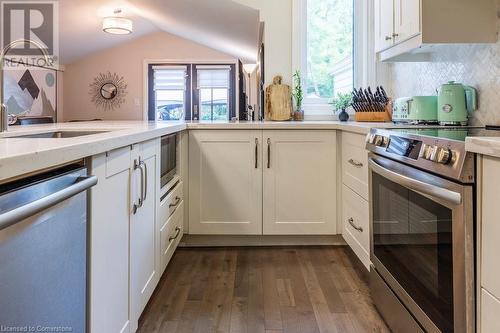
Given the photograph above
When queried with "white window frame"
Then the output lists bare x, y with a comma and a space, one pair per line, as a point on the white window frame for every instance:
364, 56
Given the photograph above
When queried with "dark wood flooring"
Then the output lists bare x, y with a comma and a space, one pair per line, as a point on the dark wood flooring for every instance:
262, 290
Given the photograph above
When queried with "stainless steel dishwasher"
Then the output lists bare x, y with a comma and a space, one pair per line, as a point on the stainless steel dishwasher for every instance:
43, 252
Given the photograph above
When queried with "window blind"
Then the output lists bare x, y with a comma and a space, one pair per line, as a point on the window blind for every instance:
216, 77
169, 77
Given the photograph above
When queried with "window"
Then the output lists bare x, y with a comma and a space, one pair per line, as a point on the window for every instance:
330, 50
169, 92
213, 92
191, 91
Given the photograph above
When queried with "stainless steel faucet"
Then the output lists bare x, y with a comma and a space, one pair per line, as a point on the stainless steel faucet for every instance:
4, 116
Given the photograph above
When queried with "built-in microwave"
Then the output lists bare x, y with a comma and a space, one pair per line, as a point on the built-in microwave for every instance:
168, 158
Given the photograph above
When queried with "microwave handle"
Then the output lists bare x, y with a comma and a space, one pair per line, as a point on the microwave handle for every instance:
416, 185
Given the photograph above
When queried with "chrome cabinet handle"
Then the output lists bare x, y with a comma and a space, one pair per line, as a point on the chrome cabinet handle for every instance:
256, 153
13, 216
351, 222
355, 163
136, 206
388, 37
143, 164
394, 35
268, 153
176, 203
177, 232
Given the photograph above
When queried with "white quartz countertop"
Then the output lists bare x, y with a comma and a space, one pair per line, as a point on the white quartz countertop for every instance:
483, 145
19, 156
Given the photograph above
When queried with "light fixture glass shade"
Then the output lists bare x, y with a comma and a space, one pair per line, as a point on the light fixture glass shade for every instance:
249, 68
117, 25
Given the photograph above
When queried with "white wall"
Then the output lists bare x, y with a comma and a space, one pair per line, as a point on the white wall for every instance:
277, 17
126, 60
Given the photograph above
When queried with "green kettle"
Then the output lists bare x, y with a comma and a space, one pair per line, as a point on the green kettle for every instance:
455, 103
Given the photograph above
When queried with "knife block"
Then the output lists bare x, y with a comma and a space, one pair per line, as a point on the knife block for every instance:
376, 116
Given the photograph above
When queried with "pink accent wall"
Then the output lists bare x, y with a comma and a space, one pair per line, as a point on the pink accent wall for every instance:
126, 60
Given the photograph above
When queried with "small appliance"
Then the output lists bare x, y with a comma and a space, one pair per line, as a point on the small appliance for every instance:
168, 158
455, 102
415, 110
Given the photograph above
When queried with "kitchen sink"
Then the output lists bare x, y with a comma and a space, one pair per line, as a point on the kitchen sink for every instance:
56, 134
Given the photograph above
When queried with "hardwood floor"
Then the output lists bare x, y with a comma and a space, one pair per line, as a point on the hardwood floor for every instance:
262, 290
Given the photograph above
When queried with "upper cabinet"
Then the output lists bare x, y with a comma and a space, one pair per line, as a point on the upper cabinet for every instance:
406, 30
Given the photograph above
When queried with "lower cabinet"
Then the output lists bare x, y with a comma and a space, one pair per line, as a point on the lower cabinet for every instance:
489, 245
299, 191
490, 313
355, 206
124, 241
252, 182
171, 217
225, 182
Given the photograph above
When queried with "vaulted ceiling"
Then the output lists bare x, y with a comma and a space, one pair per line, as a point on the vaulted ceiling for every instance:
224, 25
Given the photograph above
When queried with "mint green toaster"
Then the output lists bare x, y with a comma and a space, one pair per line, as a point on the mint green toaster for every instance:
415, 110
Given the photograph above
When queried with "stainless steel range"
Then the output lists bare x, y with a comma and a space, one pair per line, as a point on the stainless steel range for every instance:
422, 185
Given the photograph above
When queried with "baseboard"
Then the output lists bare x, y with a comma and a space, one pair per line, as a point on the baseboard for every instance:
260, 240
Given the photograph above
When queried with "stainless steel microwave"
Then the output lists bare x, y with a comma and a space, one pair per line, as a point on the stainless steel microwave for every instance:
168, 158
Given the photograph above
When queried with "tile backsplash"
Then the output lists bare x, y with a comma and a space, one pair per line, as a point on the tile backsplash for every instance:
474, 65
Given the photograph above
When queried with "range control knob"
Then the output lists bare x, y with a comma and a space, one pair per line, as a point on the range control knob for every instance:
445, 156
426, 152
381, 141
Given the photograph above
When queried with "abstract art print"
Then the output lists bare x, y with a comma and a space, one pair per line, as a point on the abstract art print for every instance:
31, 92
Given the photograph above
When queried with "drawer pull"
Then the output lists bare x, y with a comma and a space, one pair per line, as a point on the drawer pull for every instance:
351, 222
177, 232
176, 203
355, 163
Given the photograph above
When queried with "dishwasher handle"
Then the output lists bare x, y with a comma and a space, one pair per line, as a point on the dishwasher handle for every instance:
20, 213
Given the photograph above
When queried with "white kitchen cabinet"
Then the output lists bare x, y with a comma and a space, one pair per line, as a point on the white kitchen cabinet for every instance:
490, 313
171, 234
406, 19
124, 243
419, 25
489, 246
356, 226
109, 242
144, 236
355, 196
384, 24
299, 192
225, 182
355, 163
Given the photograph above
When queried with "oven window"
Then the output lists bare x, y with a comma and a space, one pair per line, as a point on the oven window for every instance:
413, 240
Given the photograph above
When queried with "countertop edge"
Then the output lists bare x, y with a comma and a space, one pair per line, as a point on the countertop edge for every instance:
488, 146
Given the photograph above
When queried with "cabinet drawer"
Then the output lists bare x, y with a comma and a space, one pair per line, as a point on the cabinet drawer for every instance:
355, 163
169, 204
148, 148
490, 227
355, 218
171, 234
117, 160
490, 310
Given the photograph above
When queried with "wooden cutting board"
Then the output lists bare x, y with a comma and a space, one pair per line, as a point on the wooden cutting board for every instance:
278, 100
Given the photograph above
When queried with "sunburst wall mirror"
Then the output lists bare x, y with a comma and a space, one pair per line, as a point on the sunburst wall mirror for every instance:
108, 91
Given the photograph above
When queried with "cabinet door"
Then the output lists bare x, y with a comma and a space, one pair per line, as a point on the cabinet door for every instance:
109, 247
384, 24
490, 310
225, 182
406, 19
144, 243
299, 182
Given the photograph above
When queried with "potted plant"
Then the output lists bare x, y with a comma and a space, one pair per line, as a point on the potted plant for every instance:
341, 103
298, 95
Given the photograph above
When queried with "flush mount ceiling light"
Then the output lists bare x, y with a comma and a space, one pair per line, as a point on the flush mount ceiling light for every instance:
117, 25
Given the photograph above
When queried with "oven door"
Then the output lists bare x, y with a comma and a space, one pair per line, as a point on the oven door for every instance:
422, 243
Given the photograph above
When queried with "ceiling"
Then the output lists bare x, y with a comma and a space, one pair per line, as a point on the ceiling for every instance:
224, 25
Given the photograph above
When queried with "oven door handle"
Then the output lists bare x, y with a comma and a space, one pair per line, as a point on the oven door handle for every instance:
416, 185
